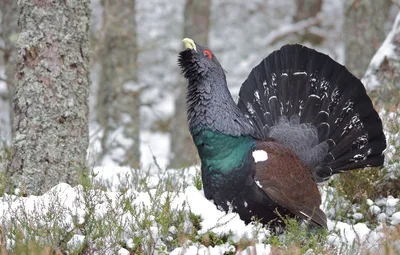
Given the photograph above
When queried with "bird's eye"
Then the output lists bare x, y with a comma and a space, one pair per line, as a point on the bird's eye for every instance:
208, 54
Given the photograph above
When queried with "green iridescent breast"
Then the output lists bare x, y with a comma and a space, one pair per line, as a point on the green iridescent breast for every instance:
220, 152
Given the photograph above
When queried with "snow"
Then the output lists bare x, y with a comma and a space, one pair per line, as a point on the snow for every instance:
391, 201
123, 251
73, 210
358, 216
200, 249
76, 241
395, 218
350, 233
375, 210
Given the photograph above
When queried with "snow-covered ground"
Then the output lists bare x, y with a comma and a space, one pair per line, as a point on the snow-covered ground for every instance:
69, 208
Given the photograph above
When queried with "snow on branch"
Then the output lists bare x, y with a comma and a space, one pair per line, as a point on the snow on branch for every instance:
386, 56
283, 31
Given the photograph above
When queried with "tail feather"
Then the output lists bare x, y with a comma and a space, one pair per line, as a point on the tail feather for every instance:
297, 85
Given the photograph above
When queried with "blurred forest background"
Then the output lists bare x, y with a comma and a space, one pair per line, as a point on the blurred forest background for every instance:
90, 92
136, 94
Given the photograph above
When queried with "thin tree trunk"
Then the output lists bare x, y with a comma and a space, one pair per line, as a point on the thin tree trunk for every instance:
306, 9
363, 32
118, 98
196, 26
9, 26
383, 73
51, 95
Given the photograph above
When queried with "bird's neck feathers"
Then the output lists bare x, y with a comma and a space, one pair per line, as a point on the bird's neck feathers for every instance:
221, 132
211, 106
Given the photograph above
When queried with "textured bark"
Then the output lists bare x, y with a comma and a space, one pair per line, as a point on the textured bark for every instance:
118, 98
196, 26
9, 26
51, 95
306, 9
363, 32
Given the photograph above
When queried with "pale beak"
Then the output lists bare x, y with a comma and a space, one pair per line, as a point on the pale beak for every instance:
189, 44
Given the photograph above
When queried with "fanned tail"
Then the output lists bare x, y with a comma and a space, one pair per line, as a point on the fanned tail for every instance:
316, 107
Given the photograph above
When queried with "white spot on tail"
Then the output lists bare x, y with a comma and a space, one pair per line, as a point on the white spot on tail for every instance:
273, 97
265, 84
250, 109
260, 155
257, 96
314, 96
300, 73
361, 141
359, 157
324, 112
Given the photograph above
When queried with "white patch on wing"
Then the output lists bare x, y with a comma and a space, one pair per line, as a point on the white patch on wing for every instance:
258, 184
260, 155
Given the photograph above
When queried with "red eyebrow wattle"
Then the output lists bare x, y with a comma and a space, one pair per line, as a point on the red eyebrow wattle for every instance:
208, 53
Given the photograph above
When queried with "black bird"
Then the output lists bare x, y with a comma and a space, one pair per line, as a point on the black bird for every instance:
307, 117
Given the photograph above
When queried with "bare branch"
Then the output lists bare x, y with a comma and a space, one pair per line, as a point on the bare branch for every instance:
318, 32
289, 29
4, 79
396, 2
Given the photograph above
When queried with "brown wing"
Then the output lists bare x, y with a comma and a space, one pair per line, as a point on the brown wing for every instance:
288, 181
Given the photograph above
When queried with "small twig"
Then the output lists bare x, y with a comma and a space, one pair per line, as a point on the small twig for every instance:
219, 224
156, 163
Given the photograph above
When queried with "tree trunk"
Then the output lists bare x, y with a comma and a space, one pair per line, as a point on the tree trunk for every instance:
10, 31
9, 27
9, 12
383, 73
306, 9
51, 95
363, 32
118, 98
196, 26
